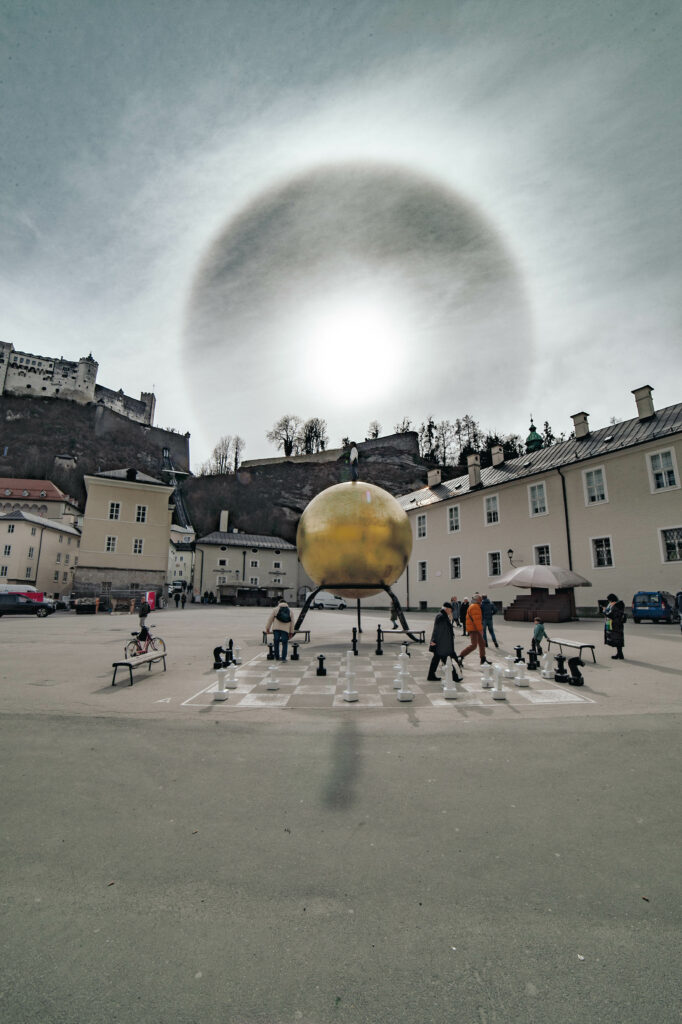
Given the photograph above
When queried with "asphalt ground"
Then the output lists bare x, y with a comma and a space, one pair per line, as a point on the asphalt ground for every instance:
164, 861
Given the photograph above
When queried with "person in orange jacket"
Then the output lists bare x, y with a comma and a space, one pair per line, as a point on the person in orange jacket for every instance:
474, 627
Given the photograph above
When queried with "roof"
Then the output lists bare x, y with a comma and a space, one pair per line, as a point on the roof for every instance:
247, 540
50, 524
123, 474
598, 443
13, 487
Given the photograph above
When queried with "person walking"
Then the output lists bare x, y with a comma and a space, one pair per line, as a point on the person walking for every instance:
463, 608
488, 609
474, 627
176, 598
394, 615
442, 645
614, 631
455, 610
183, 600
282, 626
538, 636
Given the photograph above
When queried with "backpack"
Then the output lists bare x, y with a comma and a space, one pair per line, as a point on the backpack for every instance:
144, 608
283, 615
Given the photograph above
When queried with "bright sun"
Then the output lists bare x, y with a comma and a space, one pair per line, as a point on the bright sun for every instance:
352, 349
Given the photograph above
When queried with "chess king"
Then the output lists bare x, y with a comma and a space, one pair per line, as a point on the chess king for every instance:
354, 534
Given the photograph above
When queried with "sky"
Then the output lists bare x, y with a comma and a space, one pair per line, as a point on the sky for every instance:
359, 211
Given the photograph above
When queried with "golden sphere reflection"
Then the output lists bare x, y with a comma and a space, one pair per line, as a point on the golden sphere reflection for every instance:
354, 533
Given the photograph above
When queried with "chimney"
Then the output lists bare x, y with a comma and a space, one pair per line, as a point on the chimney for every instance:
580, 425
474, 467
222, 525
433, 478
645, 403
497, 452
131, 474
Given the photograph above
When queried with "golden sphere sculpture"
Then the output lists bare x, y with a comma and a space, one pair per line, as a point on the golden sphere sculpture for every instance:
354, 533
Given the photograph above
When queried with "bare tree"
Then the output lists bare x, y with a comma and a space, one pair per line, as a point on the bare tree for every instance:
220, 458
285, 434
374, 430
238, 448
404, 427
313, 436
444, 439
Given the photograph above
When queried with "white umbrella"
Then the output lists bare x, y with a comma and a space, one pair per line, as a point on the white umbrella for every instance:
528, 576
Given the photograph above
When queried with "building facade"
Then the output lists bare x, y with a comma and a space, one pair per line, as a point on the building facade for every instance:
25, 374
606, 504
126, 534
245, 568
37, 497
40, 552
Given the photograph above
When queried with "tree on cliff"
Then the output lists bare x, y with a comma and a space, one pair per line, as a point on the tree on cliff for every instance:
313, 436
374, 430
285, 434
225, 457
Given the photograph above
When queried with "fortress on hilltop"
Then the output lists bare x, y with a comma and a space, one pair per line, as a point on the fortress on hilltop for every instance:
26, 375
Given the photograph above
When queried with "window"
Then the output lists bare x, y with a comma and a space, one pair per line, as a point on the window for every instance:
141, 514
253, 581
114, 510
28, 572
254, 563
421, 571
8, 549
671, 543
31, 552
492, 510
276, 579
58, 557
10, 528
137, 546
222, 561
421, 525
33, 531
537, 499
109, 546
3, 570
494, 563
594, 482
455, 568
602, 556
663, 470
66, 559
453, 519
541, 554
61, 538
56, 575
276, 565
65, 577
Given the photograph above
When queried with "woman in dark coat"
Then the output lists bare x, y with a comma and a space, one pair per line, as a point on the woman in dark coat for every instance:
614, 627
442, 644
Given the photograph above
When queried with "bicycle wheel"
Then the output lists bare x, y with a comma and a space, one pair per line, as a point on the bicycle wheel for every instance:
157, 644
132, 649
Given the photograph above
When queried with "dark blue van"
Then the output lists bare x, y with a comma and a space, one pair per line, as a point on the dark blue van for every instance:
657, 605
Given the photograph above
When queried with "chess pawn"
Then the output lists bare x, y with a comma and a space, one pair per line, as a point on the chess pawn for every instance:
231, 676
509, 667
520, 678
221, 693
487, 677
545, 663
350, 694
498, 693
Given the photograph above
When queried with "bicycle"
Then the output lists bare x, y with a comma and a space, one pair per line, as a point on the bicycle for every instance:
142, 644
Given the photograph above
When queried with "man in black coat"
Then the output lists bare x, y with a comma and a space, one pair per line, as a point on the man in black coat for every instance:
442, 644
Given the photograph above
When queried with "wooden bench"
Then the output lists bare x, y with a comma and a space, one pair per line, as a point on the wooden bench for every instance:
575, 644
304, 632
419, 633
136, 662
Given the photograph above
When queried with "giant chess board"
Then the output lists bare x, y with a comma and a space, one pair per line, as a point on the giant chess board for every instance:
295, 684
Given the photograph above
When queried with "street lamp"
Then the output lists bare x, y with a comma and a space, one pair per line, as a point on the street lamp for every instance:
510, 556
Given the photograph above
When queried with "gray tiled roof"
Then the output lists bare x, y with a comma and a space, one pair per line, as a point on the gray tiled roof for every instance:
122, 474
617, 436
50, 524
247, 540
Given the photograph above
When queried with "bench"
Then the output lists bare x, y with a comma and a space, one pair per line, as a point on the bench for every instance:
575, 644
419, 633
136, 662
304, 632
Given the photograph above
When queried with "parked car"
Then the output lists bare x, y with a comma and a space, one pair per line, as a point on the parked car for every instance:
17, 604
90, 605
326, 600
657, 605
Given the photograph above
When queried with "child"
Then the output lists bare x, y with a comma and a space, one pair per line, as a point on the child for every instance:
538, 635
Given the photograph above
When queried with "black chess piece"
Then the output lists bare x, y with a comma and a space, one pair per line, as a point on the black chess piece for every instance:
575, 664
217, 660
560, 674
354, 641
533, 663
294, 652
519, 654
271, 652
379, 649
321, 670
